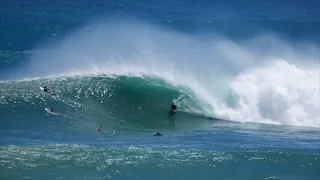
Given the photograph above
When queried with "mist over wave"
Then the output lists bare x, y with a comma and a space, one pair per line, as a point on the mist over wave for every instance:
261, 80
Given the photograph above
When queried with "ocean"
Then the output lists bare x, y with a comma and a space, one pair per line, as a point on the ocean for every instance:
245, 76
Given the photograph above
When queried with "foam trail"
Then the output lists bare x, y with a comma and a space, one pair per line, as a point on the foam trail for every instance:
280, 93
269, 85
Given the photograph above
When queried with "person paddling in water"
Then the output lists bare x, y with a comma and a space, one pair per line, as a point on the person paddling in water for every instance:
51, 109
45, 89
99, 129
158, 134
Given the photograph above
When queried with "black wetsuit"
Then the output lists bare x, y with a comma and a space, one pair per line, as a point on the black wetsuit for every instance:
158, 134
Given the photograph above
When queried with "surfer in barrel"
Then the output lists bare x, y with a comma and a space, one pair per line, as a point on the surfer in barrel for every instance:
173, 107
172, 111
174, 104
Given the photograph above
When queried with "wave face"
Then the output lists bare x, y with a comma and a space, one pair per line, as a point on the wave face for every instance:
131, 68
123, 103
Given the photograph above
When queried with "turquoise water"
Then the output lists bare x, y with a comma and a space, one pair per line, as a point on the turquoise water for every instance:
244, 75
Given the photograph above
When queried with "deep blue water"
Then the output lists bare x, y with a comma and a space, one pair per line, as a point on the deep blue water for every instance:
244, 74
26, 23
